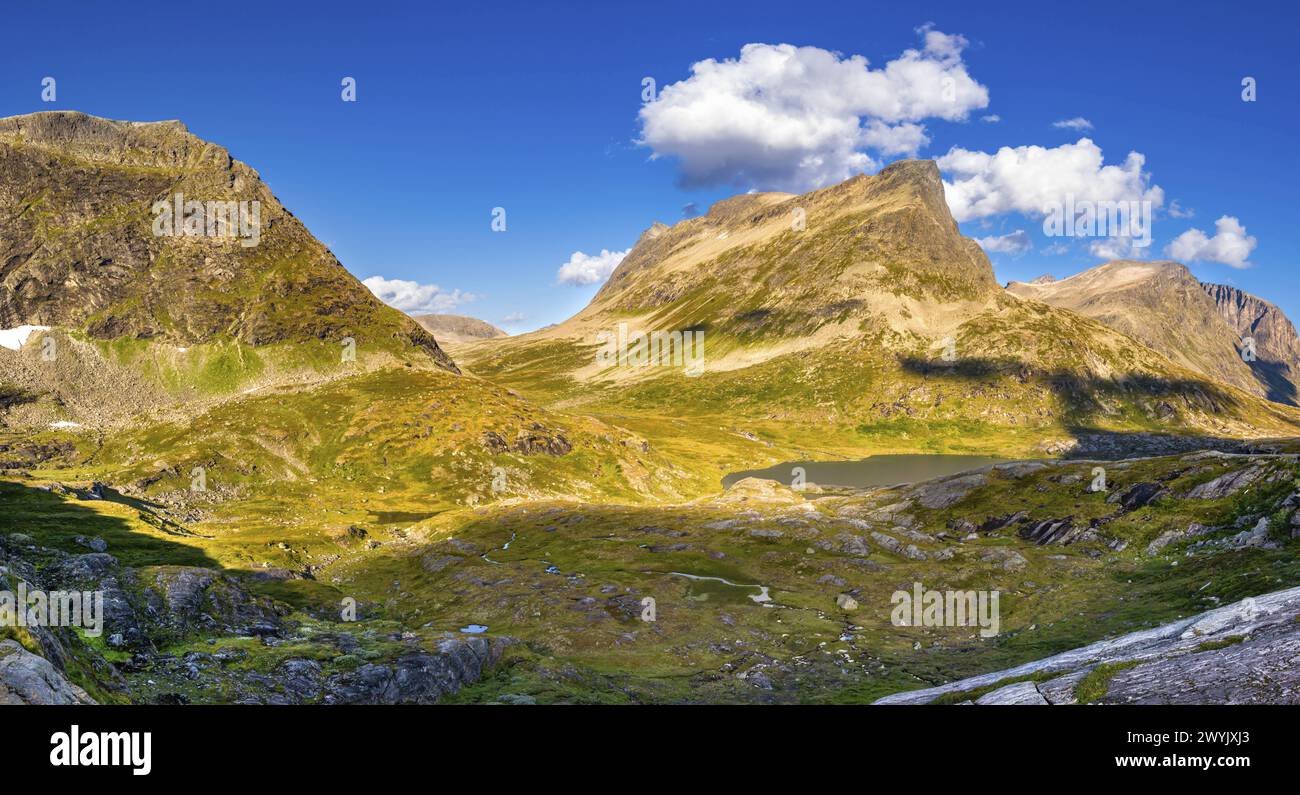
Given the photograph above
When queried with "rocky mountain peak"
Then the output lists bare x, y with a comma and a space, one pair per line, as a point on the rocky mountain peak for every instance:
851, 247
165, 144
1276, 345
1163, 305
81, 246
458, 328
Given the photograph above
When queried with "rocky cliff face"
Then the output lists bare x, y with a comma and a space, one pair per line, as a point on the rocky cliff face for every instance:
1277, 347
1160, 304
82, 247
1199, 326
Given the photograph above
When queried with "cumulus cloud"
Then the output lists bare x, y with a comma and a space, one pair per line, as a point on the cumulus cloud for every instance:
1077, 123
589, 268
991, 118
1176, 210
795, 118
416, 298
1015, 243
1230, 244
1030, 179
1119, 247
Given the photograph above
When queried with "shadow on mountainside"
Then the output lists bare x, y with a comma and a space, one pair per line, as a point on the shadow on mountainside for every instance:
1084, 400
1277, 378
55, 520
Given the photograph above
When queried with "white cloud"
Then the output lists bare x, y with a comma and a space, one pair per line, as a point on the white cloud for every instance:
1230, 244
1016, 242
796, 118
590, 268
514, 317
1118, 247
1028, 179
992, 118
416, 298
1077, 123
900, 139
1176, 210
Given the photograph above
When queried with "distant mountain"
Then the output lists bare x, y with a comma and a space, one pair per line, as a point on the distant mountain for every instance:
458, 328
91, 240
1199, 326
1160, 304
766, 266
859, 313
1277, 347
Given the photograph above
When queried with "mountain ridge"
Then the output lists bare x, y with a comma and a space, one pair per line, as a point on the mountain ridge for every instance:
1277, 346
87, 255
1198, 325
457, 328
875, 316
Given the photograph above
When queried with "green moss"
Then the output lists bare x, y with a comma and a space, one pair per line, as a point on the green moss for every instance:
1214, 645
974, 694
1094, 686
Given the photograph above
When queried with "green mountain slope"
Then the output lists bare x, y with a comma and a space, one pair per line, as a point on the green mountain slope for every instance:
876, 326
181, 316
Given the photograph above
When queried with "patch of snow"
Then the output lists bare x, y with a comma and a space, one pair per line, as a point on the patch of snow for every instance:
65, 424
15, 338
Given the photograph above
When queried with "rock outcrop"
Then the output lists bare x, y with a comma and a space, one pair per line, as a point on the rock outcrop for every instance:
148, 611
1276, 355
27, 678
1243, 653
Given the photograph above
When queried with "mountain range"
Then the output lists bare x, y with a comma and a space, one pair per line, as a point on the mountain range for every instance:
290, 493
1200, 326
860, 309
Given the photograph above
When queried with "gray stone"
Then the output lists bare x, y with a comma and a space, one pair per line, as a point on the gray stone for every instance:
944, 492
95, 544
1015, 694
1226, 485
1239, 654
26, 678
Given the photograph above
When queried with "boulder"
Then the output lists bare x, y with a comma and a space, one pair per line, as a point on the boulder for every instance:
1226, 485
944, 492
417, 678
26, 678
1137, 496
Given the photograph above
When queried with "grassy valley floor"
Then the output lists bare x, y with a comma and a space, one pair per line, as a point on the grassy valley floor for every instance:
428, 546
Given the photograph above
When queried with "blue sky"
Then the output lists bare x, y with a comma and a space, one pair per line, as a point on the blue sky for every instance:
534, 108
